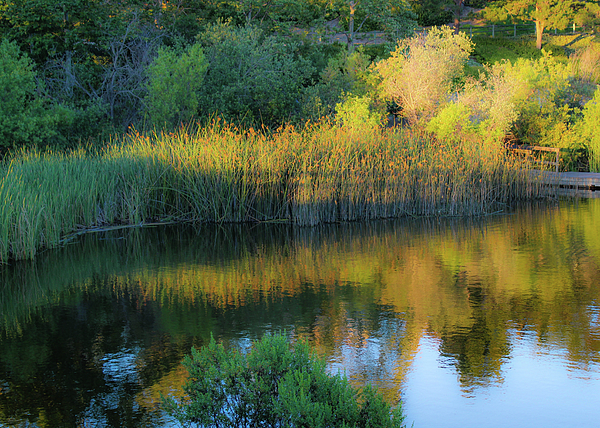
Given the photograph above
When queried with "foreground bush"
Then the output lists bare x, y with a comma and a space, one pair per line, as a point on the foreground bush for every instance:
274, 385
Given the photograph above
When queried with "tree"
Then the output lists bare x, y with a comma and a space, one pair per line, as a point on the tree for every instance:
546, 14
419, 74
457, 8
48, 28
24, 118
173, 85
251, 75
274, 385
394, 17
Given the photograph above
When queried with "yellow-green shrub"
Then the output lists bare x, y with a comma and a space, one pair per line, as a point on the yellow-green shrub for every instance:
359, 113
173, 85
420, 72
483, 110
589, 130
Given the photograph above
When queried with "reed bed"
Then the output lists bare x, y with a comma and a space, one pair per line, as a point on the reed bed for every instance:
320, 173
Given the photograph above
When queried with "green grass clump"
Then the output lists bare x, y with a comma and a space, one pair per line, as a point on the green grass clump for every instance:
489, 50
220, 173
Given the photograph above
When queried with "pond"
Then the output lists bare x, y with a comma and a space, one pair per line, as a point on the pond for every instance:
488, 322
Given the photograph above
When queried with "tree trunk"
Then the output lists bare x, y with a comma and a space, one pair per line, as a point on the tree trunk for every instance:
458, 5
539, 30
350, 36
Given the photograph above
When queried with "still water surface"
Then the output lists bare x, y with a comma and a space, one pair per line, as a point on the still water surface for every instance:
490, 322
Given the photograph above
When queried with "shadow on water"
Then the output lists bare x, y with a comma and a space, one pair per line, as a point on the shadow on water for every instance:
92, 333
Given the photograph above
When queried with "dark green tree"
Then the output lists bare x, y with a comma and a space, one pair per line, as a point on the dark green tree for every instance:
251, 75
26, 117
47, 28
432, 12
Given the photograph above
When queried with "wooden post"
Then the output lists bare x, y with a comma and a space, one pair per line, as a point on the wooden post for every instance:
515, 30
493, 30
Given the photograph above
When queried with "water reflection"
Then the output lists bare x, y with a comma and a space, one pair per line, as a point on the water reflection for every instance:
459, 318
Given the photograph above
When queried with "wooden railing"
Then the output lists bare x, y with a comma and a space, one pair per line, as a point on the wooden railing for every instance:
495, 30
529, 150
513, 30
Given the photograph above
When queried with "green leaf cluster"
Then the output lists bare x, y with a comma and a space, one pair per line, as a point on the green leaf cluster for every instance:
420, 72
274, 385
24, 118
251, 76
174, 82
588, 130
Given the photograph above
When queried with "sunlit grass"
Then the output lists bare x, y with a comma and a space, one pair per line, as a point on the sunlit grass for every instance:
320, 173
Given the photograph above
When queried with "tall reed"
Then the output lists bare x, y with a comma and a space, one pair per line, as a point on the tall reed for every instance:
320, 173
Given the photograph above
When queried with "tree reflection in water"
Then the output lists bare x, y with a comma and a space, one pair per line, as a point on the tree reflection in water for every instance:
94, 332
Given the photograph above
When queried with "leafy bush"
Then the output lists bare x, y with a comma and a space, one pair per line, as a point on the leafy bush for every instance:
274, 386
174, 82
359, 114
419, 74
541, 96
483, 110
345, 74
25, 117
588, 130
251, 76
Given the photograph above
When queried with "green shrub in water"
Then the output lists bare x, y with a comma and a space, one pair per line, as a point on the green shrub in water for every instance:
274, 385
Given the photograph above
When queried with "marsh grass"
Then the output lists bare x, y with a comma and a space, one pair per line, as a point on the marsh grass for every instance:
219, 173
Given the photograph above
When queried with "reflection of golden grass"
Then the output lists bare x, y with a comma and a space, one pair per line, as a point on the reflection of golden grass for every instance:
538, 273
432, 279
170, 385
224, 174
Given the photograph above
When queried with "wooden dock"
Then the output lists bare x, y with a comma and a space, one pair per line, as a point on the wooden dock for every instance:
580, 184
575, 184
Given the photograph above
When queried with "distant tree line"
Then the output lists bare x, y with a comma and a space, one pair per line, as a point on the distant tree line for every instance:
74, 71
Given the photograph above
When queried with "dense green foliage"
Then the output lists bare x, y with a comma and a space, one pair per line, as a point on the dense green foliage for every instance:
173, 86
79, 69
588, 129
26, 116
251, 76
96, 65
274, 385
420, 72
